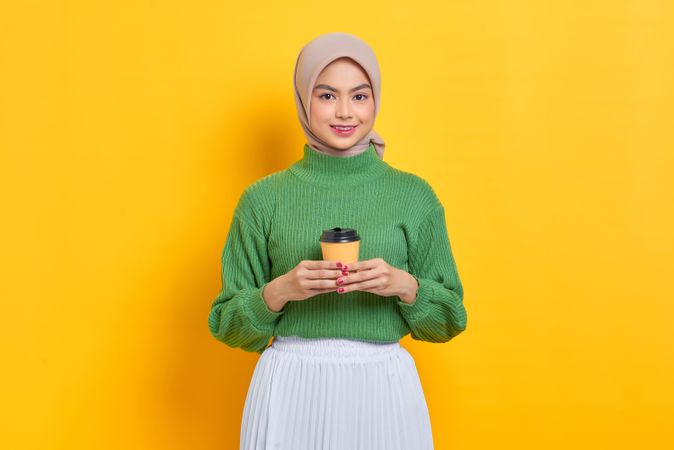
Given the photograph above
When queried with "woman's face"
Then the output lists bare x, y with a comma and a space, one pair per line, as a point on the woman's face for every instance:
342, 96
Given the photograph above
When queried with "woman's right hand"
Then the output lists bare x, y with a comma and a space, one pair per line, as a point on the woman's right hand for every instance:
305, 280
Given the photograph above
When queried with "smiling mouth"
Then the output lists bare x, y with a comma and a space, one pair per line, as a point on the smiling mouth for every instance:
343, 131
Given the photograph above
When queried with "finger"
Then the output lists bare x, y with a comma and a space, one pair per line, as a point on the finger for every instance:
364, 265
330, 285
324, 274
313, 292
322, 264
362, 286
358, 277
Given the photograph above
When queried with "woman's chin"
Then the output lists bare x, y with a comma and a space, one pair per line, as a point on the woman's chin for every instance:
343, 146
343, 143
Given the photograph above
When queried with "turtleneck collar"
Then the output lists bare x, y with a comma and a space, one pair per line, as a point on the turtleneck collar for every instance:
327, 170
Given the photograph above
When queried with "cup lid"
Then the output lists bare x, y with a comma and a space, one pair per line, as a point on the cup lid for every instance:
339, 234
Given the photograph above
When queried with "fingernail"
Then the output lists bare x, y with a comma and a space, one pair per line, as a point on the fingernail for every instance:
340, 290
339, 264
344, 272
340, 281
346, 267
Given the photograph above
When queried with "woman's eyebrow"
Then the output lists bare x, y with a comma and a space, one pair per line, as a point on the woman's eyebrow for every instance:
330, 88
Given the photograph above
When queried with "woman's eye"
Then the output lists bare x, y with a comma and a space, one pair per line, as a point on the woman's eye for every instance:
363, 96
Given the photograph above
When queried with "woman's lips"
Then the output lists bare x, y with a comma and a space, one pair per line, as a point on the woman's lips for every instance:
345, 131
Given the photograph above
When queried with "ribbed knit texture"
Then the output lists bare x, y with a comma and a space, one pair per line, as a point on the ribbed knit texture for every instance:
277, 223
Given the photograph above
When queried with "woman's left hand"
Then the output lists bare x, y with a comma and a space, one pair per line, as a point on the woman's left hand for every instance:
378, 277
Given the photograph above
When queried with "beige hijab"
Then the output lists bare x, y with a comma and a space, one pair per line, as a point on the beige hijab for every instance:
311, 60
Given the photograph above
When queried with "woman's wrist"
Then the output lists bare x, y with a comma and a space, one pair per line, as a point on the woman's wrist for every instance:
272, 294
409, 288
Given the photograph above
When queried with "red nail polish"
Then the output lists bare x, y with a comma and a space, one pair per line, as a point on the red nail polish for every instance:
339, 264
344, 273
340, 281
346, 267
340, 290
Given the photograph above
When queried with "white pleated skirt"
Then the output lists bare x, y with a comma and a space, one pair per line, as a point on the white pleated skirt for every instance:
335, 394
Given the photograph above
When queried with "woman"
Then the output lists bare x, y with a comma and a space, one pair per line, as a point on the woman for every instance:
336, 376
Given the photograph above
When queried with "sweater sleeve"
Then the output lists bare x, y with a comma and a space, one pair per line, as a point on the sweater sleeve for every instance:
239, 317
437, 313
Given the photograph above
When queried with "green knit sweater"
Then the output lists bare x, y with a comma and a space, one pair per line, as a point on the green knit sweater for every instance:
277, 223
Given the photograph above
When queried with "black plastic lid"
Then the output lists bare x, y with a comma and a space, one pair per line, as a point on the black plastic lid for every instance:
339, 235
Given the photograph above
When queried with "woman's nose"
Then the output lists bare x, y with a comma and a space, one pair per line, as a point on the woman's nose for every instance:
343, 109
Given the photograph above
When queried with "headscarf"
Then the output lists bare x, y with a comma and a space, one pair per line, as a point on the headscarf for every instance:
312, 59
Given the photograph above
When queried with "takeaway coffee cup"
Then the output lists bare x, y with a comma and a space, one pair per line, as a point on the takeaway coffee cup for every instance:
340, 244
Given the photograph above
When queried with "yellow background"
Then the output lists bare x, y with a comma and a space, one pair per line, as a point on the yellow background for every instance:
128, 130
